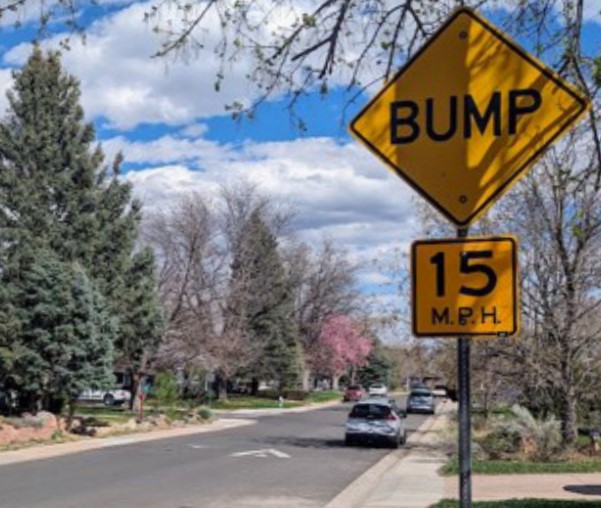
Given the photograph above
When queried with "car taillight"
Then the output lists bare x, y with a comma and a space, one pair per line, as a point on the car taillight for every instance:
391, 416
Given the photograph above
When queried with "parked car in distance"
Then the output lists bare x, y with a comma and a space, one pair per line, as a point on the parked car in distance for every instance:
354, 393
421, 400
377, 389
375, 420
440, 391
109, 397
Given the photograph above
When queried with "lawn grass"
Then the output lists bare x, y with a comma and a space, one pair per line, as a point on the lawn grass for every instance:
249, 402
325, 396
107, 414
493, 467
521, 503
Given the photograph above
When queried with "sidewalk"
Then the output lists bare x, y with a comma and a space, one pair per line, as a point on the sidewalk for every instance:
412, 480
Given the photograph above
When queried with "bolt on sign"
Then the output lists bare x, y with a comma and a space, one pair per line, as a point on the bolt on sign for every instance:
467, 116
465, 286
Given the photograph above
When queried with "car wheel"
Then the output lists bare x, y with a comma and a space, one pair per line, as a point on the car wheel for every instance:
403, 438
108, 400
348, 441
395, 442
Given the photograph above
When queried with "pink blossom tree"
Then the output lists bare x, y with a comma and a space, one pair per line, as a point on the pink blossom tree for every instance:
340, 346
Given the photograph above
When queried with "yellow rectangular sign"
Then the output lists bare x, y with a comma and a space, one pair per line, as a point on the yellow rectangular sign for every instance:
465, 287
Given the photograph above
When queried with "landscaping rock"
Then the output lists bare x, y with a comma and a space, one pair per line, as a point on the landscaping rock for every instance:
41, 426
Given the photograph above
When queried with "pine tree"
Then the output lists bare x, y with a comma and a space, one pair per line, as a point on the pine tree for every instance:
56, 195
66, 334
267, 303
141, 322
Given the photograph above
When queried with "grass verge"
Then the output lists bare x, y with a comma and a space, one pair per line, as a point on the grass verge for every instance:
493, 467
522, 503
326, 396
108, 414
248, 402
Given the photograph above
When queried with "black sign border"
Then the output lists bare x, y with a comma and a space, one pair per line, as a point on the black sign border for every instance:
438, 241
522, 169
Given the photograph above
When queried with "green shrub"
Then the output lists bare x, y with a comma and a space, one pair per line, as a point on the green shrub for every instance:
166, 389
502, 440
540, 439
205, 413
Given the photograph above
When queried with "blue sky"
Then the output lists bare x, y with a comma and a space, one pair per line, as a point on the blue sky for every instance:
171, 126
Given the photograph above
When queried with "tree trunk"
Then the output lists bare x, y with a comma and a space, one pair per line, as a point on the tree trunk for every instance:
335, 382
70, 414
306, 379
221, 388
138, 379
569, 430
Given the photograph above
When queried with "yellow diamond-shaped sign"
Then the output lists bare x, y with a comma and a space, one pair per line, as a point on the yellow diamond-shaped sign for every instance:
467, 115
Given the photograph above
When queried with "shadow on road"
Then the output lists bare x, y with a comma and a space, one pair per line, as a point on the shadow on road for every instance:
586, 490
310, 442
304, 442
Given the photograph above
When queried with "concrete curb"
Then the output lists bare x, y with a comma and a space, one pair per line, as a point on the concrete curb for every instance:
275, 411
356, 493
51, 450
55, 450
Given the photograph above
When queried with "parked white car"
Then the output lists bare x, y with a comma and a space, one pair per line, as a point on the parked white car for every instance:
376, 419
110, 397
377, 389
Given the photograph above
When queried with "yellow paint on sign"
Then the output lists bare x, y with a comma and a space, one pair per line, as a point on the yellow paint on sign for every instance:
465, 287
467, 116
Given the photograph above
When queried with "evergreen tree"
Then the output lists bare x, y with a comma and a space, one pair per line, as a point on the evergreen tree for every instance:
267, 304
56, 195
378, 368
141, 322
65, 340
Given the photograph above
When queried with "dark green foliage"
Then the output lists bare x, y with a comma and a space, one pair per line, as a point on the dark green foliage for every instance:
166, 389
500, 442
262, 287
378, 368
48, 166
65, 340
141, 323
59, 202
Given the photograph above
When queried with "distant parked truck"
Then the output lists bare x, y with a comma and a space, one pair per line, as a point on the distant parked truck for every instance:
109, 397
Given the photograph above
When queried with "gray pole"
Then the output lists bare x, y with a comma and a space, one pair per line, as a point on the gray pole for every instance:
465, 438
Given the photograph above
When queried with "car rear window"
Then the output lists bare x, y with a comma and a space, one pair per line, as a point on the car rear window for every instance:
371, 411
354, 387
421, 393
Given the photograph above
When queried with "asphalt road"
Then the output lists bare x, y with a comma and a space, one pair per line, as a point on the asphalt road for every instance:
303, 464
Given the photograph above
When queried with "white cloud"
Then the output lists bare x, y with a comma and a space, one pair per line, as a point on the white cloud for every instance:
121, 81
194, 131
338, 190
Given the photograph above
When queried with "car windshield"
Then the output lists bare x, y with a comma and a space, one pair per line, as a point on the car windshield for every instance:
354, 387
371, 411
421, 393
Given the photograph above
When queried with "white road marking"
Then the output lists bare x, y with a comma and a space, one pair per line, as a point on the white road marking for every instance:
262, 453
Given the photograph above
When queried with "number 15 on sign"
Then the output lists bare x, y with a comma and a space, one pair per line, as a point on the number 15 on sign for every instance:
465, 287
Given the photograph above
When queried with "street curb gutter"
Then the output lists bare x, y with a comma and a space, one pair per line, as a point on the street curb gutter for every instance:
356, 493
56, 450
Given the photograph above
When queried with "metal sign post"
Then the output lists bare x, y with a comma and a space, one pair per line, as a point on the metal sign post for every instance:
465, 431
465, 424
